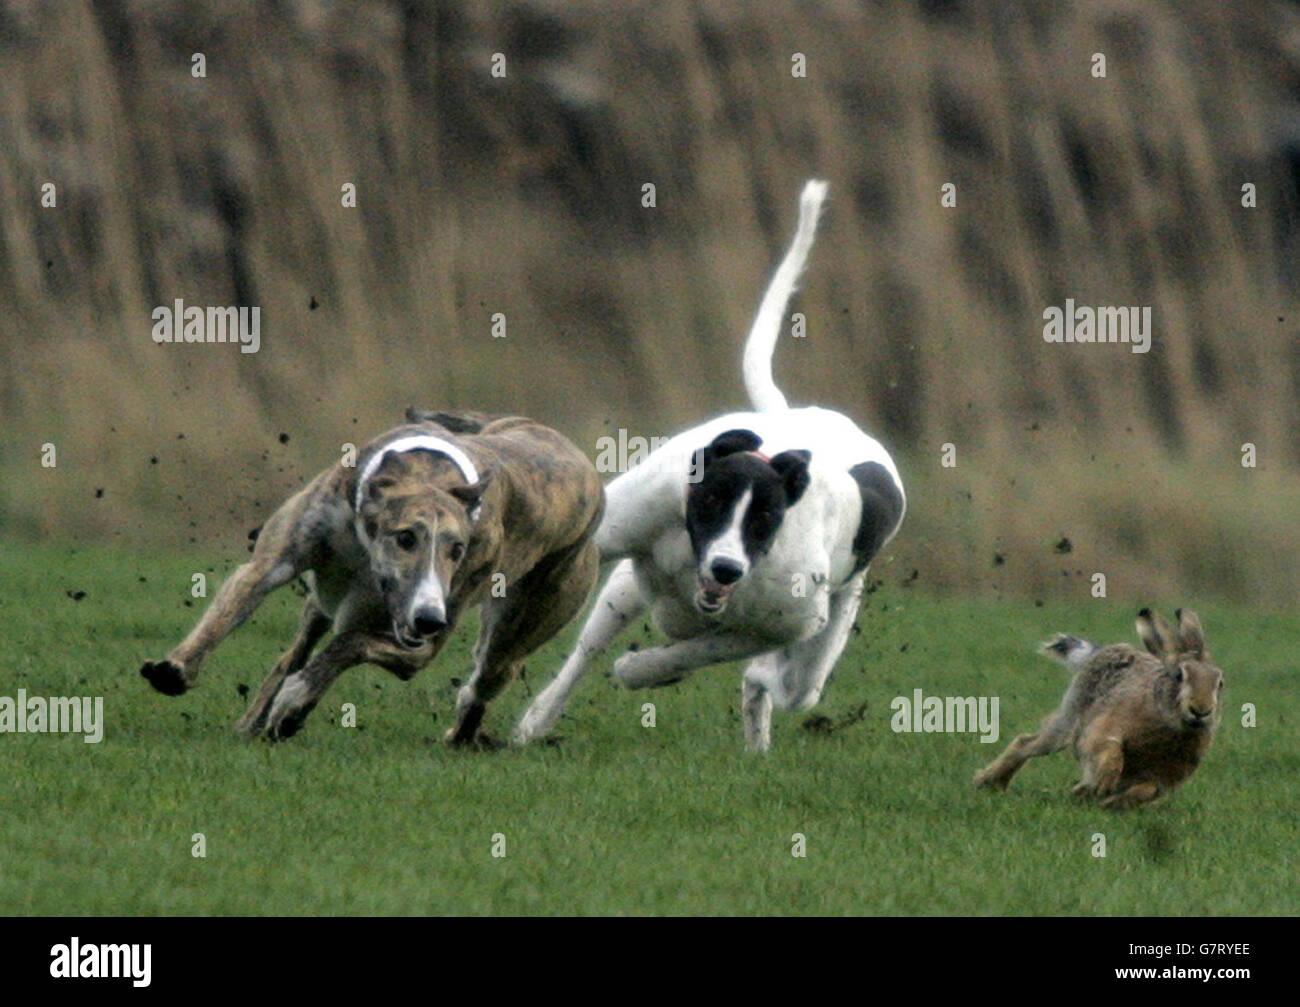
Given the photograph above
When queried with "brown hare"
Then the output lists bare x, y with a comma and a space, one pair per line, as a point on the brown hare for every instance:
1139, 723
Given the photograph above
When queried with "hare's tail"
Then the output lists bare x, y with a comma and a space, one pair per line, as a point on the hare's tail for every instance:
1069, 650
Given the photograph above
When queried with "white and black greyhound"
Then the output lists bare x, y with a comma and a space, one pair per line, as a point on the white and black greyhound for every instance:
747, 537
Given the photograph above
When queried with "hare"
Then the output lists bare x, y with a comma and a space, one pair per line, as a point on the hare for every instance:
1140, 723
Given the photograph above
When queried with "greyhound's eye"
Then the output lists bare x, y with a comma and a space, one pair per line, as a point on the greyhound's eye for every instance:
457, 551
407, 539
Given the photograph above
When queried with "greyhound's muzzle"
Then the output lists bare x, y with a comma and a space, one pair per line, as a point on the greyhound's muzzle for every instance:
717, 584
426, 625
407, 640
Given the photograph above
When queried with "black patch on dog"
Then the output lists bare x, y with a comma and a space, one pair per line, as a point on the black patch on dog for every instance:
729, 469
882, 509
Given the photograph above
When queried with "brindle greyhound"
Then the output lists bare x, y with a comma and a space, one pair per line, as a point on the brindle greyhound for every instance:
450, 511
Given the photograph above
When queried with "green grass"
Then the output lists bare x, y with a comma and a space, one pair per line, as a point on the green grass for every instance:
616, 818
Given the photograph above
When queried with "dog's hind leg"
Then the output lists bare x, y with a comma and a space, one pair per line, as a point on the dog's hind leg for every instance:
535, 608
618, 603
314, 625
301, 691
756, 702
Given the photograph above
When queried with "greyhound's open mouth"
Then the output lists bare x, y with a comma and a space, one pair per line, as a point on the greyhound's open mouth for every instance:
406, 640
712, 596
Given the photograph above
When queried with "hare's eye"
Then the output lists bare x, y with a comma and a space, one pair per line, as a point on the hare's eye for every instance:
1179, 675
1220, 683
406, 539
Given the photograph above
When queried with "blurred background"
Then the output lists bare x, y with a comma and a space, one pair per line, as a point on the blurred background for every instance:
523, 195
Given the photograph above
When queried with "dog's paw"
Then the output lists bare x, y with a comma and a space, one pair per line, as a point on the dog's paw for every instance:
478, 741
531, 726
484, 742
251, 724
619, 670
643, 669
167, 677
288, 711
626, 669
287, 726
455, 737
986, 780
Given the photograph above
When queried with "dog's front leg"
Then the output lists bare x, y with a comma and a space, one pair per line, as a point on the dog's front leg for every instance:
618, 603
279, 556
803, 667
642, 669
313, 626
301, 691
238, 597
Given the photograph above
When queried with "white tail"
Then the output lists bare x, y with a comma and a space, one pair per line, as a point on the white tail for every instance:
1069, 650
763, 393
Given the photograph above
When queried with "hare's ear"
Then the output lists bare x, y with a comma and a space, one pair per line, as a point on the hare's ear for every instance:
1155, 633
1191, 638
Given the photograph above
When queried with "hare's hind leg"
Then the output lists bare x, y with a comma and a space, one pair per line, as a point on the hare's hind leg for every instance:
1101, 754
1134, 796
1050, 738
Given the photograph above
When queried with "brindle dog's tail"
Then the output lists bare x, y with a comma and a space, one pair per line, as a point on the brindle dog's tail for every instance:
457, 423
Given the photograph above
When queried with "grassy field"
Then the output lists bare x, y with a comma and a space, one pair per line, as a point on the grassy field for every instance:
614, 818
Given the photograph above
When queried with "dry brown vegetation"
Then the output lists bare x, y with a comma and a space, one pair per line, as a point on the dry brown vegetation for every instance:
522, 195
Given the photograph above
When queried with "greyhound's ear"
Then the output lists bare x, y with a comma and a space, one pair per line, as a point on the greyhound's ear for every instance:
1156, 634
731, 442
1191, 638
792, 467
377, 485
369, 513
394, 465
470, 495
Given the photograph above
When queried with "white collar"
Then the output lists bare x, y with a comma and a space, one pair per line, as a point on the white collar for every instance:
417, 442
